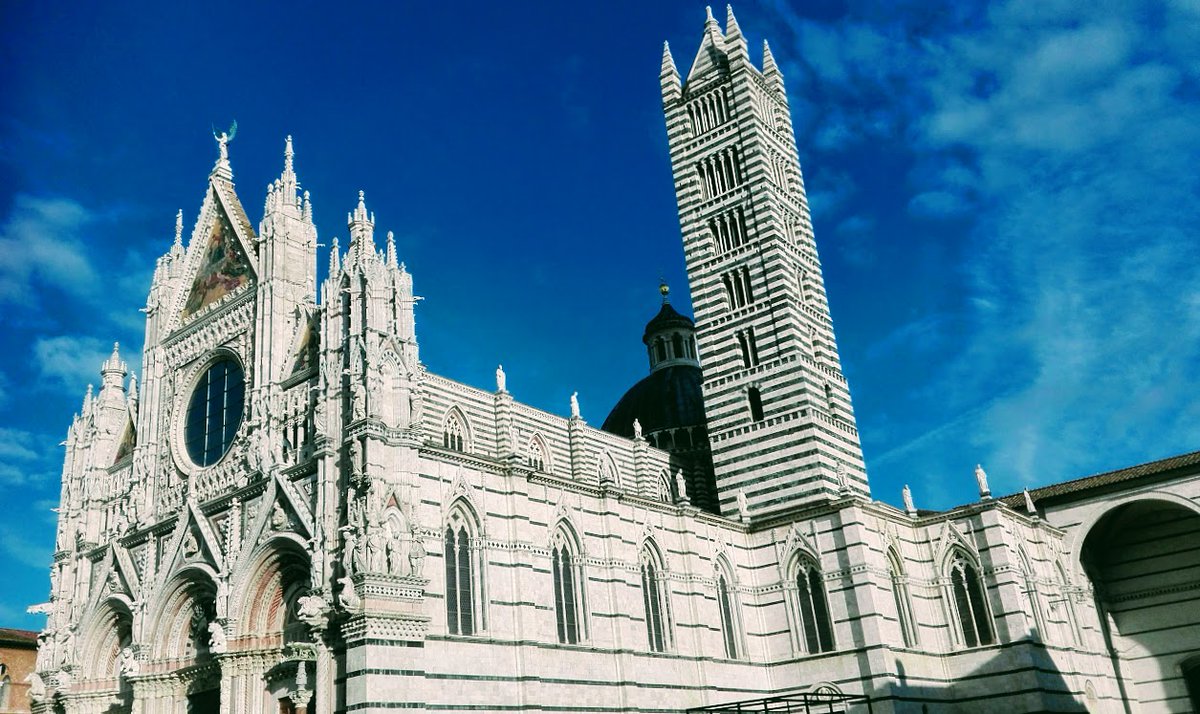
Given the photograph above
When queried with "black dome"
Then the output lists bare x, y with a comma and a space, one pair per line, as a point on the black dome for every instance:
666, 318
667, 398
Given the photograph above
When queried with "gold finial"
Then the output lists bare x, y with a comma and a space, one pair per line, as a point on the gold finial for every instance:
664, 289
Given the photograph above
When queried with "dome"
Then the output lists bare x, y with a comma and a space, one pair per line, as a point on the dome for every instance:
666, 319
667, 398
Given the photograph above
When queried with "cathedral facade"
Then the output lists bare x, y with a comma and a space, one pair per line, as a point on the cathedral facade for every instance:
289, 513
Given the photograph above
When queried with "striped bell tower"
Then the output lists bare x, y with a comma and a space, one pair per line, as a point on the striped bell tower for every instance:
778, 407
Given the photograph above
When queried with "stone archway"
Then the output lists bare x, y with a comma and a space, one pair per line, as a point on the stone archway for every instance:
1143, 559
182, 672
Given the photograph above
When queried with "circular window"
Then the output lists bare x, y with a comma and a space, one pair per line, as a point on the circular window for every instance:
215, 412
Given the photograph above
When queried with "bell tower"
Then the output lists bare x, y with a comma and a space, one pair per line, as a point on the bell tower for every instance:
778, 407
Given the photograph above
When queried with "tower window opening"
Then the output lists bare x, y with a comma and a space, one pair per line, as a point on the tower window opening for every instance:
677, 346
756, 405
737, 286
660, 350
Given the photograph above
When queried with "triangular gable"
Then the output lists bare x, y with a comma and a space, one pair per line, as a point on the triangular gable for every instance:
128, 441
223, 267
194, 541
304, 356
711, 55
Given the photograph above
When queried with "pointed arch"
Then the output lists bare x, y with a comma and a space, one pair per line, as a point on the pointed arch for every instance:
105, 634
606, 470
967, 599
462, 553
1029, 583
456, 431
264, 596
570, 602
537, 454
903, 601
727, 607
1065, 587
806, 582
656, 596
178, 630
663, 490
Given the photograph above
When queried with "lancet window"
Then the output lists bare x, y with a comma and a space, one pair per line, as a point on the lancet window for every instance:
535, 455
727, 605
908, 630
568, 588
464, 611
969, 602
453, 432
754, 398
747, 347
656, 600
816, 627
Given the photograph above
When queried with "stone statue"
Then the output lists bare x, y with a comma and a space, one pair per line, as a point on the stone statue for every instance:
909, 507
743, 506
397, 561
681, 485
416, 556
501, 379
37, 688
349, 544
190, 546
320, 421
223, 140
348, 598
574, 405
279, 518
313, 610
128, 662
358, 401
222, 599
217, 643
376, 551
356, 459
637, 429
981, 479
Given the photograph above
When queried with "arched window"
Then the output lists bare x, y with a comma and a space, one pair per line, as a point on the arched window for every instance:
1064, 584
656, 599
664, 487
453, 432
969, 603
677, 346
815, 623
727, 605
908, 630
535, 455
568, 588
756, 406
1038, 631
5, 687
464, 597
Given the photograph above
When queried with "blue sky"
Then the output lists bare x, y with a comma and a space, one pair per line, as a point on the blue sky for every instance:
1004, 196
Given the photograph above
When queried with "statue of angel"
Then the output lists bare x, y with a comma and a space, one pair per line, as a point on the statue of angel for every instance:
224, 138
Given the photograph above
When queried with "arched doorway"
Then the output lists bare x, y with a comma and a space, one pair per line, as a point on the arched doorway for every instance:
1143, 558
185, 641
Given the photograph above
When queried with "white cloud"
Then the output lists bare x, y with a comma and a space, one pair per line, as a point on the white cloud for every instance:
41, 248
70, 361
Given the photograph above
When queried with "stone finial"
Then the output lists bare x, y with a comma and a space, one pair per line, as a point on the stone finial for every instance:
981, 480
87, 401
909, 507
335, 266
288, 155
665, 291
391, 250
575, 405
178, 244
501, 379
1032, 509
133, 387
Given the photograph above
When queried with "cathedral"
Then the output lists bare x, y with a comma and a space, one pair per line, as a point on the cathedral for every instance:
288, 513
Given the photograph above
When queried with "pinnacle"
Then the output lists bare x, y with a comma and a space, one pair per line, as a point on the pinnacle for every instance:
731, 23
768, 62
668, 62
178, 230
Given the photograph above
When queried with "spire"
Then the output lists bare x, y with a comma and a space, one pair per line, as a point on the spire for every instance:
668, 77
768, 63
133, 388
306, 208
362, 228
712, 54
289, 154
335, 266
710, 24
734, 41
87, 403
113, 371
177, 246
391, 250
287, 180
